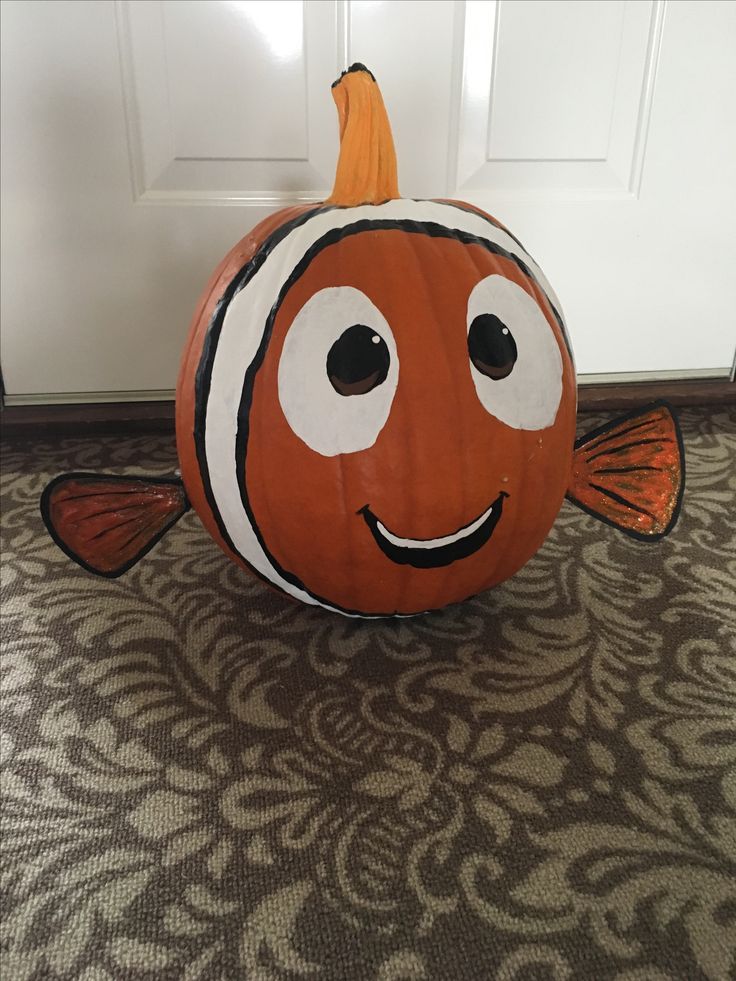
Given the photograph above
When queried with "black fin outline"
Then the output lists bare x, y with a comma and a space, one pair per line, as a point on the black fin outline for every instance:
45, 507
599, 431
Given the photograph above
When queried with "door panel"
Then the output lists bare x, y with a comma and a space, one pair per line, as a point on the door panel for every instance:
631, 220
141, 139
228, 102
556, 97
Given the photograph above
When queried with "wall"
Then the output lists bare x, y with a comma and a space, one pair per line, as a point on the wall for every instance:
142, 139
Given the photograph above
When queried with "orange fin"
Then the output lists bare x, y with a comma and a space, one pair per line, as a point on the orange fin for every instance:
630, 473
107, 523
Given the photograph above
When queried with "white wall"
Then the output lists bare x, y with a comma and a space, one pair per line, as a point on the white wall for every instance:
142, 139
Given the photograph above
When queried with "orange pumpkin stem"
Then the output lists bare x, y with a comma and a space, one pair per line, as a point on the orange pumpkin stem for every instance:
366, 167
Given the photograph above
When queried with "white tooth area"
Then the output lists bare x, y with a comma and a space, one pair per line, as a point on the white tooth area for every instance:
434, 542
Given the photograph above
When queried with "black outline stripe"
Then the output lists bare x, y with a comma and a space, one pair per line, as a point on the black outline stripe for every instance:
620, 499
606, 427
627, 446
97, 514
81, 497
107, 531
136, 534
625, 469
203, 378
623, 432
461, 206
203, 375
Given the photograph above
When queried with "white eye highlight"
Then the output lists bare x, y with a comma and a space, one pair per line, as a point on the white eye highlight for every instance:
515, 360
338, 372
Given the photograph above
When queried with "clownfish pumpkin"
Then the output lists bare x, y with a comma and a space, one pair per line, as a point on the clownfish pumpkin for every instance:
376, 406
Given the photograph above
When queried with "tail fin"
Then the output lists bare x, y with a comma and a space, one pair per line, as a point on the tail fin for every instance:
107, 523
630, 472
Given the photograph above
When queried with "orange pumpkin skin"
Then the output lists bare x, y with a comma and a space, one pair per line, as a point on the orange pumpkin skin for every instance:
438, 462
434, 482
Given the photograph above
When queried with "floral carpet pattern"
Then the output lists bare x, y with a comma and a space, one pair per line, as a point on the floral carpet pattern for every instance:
201, 780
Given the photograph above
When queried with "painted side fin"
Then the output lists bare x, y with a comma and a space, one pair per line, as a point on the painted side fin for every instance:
630, 473
106, 523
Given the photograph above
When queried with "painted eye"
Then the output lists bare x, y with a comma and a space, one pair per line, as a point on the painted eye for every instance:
515, 360
358, 361
491, 346
338, 345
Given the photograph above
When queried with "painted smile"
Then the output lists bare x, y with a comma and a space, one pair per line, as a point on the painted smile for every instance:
431, 553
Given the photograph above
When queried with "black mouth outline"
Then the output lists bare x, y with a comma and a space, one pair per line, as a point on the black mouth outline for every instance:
440, 555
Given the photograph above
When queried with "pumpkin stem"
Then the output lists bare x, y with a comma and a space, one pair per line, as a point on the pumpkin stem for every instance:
366, 167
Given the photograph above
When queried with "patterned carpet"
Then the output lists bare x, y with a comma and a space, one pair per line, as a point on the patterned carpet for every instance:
204, 781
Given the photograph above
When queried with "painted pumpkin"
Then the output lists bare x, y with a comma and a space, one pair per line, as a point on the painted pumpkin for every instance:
376, 404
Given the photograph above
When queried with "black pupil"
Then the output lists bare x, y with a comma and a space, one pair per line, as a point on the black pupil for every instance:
358, 361
491, 346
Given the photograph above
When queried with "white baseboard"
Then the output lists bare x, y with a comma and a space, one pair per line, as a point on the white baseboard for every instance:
166, 395
77, 398
642, 377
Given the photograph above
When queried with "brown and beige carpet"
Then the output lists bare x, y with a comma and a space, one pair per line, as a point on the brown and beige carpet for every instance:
201, 780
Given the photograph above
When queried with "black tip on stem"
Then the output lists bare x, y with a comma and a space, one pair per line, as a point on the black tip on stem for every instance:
357, 67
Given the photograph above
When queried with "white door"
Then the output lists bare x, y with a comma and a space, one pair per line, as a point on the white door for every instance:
141, 139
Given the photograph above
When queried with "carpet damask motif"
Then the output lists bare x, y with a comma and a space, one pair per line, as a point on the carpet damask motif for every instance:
203, 781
